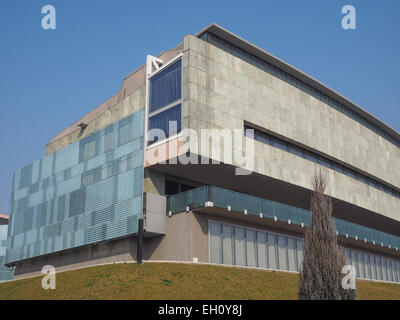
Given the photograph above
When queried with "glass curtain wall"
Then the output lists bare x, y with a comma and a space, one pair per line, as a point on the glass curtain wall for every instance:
240, 246
5, 273
165, 102
87, 192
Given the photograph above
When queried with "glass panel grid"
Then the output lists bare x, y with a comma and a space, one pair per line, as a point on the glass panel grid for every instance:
165, 102
5, 273
166, 86
87, 192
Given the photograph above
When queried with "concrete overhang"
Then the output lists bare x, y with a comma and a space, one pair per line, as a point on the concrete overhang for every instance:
268, 57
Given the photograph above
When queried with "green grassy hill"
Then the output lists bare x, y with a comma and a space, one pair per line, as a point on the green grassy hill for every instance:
175, 281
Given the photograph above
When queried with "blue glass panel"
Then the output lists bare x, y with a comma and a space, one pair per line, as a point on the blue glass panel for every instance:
162, 121
87, 192
165, 86
194, 198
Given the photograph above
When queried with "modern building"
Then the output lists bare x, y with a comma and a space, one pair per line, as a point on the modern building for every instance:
5, 272
237, 194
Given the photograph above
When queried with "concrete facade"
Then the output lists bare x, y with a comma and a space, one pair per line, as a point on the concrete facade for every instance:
230, 91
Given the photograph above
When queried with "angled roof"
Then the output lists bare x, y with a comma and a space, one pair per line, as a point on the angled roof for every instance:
266, 56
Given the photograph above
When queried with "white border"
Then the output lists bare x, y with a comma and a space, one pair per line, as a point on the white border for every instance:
164, 108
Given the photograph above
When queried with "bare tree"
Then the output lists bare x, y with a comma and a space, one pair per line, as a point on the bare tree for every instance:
321, 273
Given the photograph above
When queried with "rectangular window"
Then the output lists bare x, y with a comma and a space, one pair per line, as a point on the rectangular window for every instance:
165, 103
215, 243
282, 254
389, 268
108, 141
347, 255
165, 86
373, 266
106, 172
261, 249
272, 264
367, 265
388, 278
299, 247
240, 258
227, 244
292, 254
251, 248
88, 179
394, 271
169, 122
378, 268
383, 267
125, 134
354, 261
360, 261
125, 164
89, 150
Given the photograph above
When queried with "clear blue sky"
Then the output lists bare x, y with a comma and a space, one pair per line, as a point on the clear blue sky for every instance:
49, 79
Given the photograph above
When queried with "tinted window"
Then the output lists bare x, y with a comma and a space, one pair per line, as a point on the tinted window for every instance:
162, 121
165, 86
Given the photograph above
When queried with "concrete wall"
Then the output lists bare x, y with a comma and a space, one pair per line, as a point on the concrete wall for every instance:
186, 238
223, 91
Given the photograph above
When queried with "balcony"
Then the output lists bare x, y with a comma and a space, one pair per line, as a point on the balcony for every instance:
216, 197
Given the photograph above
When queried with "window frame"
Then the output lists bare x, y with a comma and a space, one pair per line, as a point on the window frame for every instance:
169, 137
163, 108
86, 157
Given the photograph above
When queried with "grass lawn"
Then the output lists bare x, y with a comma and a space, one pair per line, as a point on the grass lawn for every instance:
175, 281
